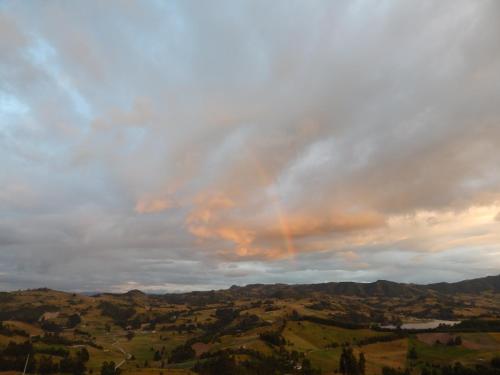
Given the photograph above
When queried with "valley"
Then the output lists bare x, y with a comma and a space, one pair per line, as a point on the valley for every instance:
381, 327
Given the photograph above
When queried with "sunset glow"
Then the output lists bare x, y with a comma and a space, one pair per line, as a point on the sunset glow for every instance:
185, 145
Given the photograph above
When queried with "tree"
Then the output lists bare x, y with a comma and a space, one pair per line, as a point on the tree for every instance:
412, 353
73, 321
362, 363
348, 364
182, 353
393, 371
307, 368
495, 362
223, 364
72, 365
272, 338
108, 368
31, 368
47, 366
83, 355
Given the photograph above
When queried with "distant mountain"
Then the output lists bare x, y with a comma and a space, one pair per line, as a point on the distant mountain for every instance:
489, 283
135, 293
380, 288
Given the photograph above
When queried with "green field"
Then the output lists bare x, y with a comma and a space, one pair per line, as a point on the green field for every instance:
250, 331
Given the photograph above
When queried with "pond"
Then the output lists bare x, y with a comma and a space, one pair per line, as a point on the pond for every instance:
427, 324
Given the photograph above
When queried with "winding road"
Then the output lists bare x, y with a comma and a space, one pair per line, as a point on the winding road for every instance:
126, 355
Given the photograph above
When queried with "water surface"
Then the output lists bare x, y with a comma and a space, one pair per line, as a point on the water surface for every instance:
428, 324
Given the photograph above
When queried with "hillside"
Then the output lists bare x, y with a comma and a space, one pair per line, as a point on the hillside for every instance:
255, 329
489, 283
380, 288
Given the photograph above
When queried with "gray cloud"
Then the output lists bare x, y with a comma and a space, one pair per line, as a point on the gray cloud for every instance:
189, 146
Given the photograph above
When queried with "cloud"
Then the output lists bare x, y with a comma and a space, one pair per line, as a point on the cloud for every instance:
166, 142
152, 205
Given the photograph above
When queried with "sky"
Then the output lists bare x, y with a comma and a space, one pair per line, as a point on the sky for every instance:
193, 145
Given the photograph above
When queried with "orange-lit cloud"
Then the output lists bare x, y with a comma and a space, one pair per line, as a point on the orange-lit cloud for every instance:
152, 205
181, 142
315, 225
216, 217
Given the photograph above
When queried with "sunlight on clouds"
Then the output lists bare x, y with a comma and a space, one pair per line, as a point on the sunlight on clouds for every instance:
152, 205
424, 231
435, 231
319, 136
272, 236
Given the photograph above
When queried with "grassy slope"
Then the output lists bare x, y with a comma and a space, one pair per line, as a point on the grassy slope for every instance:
311, 338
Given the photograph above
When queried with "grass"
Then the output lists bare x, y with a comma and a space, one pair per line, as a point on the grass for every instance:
378, 355
481, 340
312, 339
315, 339
30, 328
140, 346
4, 340
325, 359
443, 354
97, 357
495, 336
310, 336
248, 340
150, 371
